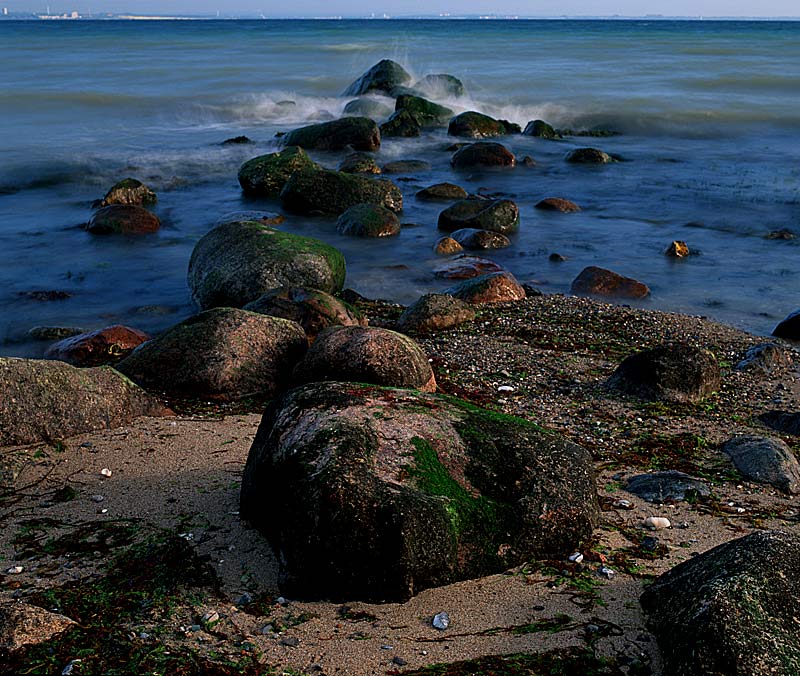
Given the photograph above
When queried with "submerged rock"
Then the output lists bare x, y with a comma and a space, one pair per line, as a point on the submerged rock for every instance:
333, 192
597, 281
589, 156
765, 460
541, 129
97, 348
466, 267
677, 249
382, 77
434, 312
557, 204
123, 219
472, 124
129, 191
265, 176
358, 133
496, 215
406, 167
442, 191
368, 220
483, 154
475, 239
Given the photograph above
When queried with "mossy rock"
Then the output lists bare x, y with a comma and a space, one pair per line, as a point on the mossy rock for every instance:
359, 163
333, 192
265, 176
368, 220
442, 191
401, 124
382, 77
540, 129
472, 124
358, 133
366, 107
427, 113
129, 191
495, 215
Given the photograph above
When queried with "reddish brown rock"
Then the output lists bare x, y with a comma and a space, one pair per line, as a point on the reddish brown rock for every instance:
447, 246
596, 281
558, 204
96, 348
442, 191
466, 267
434, 312
498, 287
474, 238
126, 219
483, 154
24, 624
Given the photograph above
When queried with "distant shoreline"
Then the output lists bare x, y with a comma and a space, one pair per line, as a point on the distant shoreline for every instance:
166, 17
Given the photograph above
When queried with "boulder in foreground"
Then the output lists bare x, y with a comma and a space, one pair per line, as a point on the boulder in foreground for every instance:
97, 348
597, 281
376, 494
333, 192
434, 312
789, 327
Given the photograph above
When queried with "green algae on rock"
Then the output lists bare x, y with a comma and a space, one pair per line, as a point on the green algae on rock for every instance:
333, 192
265, 175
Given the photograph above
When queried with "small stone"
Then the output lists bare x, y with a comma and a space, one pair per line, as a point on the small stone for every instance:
246, 598
607, 572
657, 522
211, 617
267, 629
280, 601
290, 641
97, 498
399, 661
105, 472
441, 621
623, 504
67, 670
505, 388
677, 249
576, 557
556, 258
14, 570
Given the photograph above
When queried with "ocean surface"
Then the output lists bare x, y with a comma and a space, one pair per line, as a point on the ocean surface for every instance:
708, 115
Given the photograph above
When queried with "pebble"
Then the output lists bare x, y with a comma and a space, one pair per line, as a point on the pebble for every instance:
281, 601
14, 570
246, 598
210, 617
505, 388
399, 661
97, 498
605, 571
623, 504
105, 472
656, 522
290, 641
577, 557
441, 621
67, 670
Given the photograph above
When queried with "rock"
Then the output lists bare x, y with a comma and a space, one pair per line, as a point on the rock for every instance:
44, 295
597, 281
556, 258
441, 621
333, 192
477, 125
483, 154
496, 287
406, 167
557, 204
765, 358
765, 460
222, 354
22, 624
466, 267
677, 249
588, 156
782, 421
314, 310
366, 354
527, 161
667, 486
375, 110
53, 332
427, 113
265, 175
783, 234
359, 163
789, 328
237, 141
236, 262
125, 219
730, 610
442, 191
382, 77
358, 133
496, 215
96, 348
368, 220
541, 129
657, 523
472, 238
377, 494
447, 246
675, 372
45, 400
441, 85
129, 191
434, 312
532, 291
401, 124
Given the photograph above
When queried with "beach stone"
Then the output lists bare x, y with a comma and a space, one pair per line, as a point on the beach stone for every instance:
496, 215
366, 354
472, 124
765, 358
441, 85
787, 422
442, 191
42, 400
434, 312
496, 287
427, 113
483, 154
365, 107
314, 310
23, 624
789, 328
382, 77
222, 354
358, 133
473, 239
401, 124
667, 486
675, 372
265, 175
556, 258
466, 267
125, 219
359, 163
557, 204
541, 129
334, 192
377, 494
447, 246
677, 249
782, 234
129, 191
588, 156
96, 348
765, 460
406, 167
597, 281
236, 262
53, 332
657, 523
237, 141
730, 610
368, 220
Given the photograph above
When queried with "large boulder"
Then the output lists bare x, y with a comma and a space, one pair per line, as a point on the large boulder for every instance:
596, 281
129, 191
434, 312
496, 215
427, 113
483, 154
441, 85
496, 287
358, 133
402, 124
667, 486
477, 125
45, 400
366, 354
123, 219
368, 220
382, 77
333, 192
236, 262
786, 422
788, 328
765, 460
376, 494
675, 372
731, 610
97, 348
222, 354
265, 176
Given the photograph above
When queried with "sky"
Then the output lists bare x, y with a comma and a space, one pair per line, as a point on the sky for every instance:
310, 8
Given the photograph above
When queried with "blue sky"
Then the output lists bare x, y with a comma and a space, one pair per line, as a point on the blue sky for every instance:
765, 8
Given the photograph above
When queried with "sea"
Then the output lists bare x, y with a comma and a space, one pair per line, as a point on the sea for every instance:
707, 115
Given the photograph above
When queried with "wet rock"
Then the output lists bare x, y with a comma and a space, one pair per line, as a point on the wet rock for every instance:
45, 295
472, 124
442, 191
333, 192
474, 239
441, 85
265, 176
782, 421
22, 624
406, 167
44, 400
358, 133
496, 287
237, 141
366, 354
789, 328
730, 610
667, 486
129, 191
125, 219
783, 234
466, 267
447, 246
589, 156
222, 354
597, 281
765, 359
401, 124
53, 332
368, 220
377, 494
96, 348
540, 129
371, 108
236, 262
434, 312
359, 163
314, 310
765, 460
496, 215
556, 258
483, 154
382, 77
677, 249
427, 113
557, 204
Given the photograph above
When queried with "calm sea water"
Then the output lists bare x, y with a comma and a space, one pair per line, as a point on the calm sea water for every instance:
708, 115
